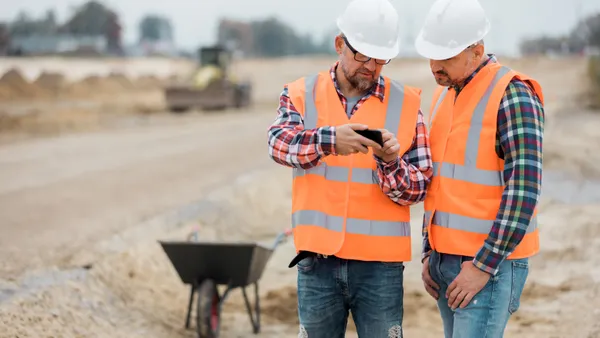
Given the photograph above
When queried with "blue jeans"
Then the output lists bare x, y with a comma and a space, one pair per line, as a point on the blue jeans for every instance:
488, 312
328, 288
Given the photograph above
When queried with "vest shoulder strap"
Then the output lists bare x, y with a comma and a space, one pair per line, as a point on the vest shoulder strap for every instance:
302, 90
436, 101
533, 84
296, 94
414, 91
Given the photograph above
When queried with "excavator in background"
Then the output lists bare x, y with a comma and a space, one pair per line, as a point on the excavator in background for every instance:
212, 86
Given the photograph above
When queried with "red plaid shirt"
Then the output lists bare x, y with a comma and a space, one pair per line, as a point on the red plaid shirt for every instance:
403, 180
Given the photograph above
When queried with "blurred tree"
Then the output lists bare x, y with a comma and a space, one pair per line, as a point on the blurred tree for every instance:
590, 29
326, 46
236, 35
155, 28
25, 25
273, 38
49, 24
50, 17
585, 34
269, 37
4, 38
543, 45
94, 19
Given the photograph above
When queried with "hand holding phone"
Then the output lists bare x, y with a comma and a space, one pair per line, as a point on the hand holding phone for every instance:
390, 150
350, 141
372, 134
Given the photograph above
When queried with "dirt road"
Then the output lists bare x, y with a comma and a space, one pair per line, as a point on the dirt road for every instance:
65, 193
81, 215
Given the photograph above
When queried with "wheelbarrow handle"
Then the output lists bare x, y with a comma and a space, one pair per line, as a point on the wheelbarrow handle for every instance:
281, 237
193, 235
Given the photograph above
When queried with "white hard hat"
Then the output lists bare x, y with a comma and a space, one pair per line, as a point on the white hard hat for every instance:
372, 28
450, 27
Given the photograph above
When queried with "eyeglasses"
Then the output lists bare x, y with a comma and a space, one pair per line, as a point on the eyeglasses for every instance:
361, 57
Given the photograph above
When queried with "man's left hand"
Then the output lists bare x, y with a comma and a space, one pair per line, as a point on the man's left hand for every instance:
466, 285
390, 149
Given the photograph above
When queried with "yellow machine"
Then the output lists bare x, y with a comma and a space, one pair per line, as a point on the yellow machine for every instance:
206, 75
212, 86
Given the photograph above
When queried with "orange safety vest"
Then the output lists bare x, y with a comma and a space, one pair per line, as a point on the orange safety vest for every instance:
465, 193
337, 206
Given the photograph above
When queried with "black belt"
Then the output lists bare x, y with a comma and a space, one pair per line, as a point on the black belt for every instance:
300, 256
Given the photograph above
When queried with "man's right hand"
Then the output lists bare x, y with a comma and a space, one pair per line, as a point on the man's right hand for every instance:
431, 287
348, 142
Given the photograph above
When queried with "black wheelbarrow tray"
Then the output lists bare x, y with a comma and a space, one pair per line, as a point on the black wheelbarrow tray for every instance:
205, 265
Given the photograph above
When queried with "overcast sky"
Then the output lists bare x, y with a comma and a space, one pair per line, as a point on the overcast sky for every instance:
195, 21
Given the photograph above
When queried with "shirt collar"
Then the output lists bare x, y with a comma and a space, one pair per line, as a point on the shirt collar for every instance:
378, 90
491, 59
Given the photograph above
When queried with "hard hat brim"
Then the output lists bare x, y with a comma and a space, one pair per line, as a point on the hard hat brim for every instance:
434, 52
374, 51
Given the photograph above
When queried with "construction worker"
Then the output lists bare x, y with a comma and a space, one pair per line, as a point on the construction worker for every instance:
486, 129
350, 195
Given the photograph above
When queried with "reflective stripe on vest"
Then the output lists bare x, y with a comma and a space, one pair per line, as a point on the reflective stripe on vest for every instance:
437, 105
340, 174
465, 223
353, 225
469, 171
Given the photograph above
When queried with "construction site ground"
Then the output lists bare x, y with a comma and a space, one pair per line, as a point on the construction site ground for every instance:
93, 172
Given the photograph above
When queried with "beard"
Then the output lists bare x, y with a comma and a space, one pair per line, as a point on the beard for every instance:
443, 79
357, 81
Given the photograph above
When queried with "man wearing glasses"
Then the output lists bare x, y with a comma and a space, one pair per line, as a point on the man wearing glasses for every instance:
351, 195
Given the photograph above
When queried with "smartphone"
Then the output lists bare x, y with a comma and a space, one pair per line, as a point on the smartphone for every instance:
371, 134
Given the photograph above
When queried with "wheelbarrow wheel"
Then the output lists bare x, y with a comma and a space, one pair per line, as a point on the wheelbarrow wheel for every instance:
208, 315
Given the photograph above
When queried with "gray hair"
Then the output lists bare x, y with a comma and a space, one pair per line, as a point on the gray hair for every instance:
477, 43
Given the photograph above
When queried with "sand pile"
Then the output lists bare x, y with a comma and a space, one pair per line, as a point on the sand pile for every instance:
93, 85
122, 80
114, 83
148, 82
51, 82
14, 86
281, 305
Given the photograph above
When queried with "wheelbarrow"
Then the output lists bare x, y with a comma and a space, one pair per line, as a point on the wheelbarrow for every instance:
206, 265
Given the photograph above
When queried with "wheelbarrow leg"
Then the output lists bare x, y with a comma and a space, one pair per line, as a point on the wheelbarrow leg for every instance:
254, 317
257, 307
189, 312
